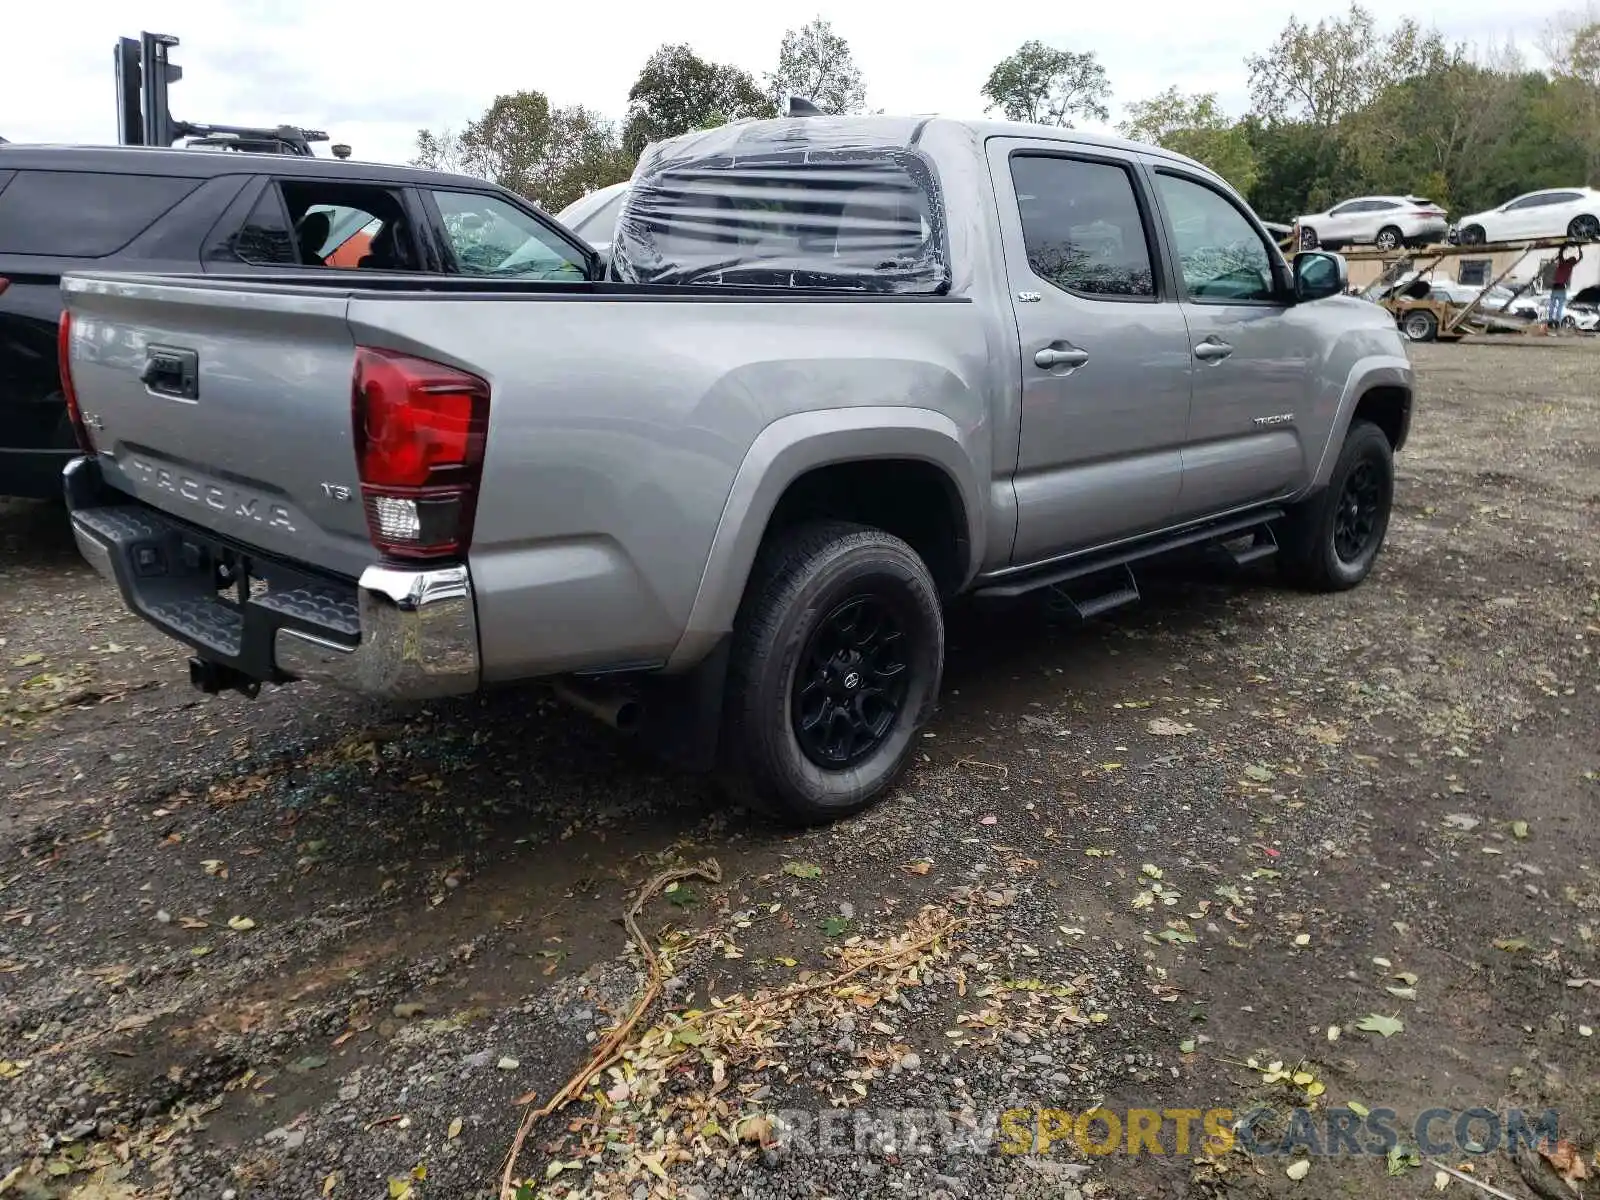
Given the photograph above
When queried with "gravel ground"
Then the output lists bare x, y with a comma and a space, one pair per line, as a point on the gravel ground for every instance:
307, 946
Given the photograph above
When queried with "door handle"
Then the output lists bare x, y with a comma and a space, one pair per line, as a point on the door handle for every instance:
1049, 357
172, 371
1212, 350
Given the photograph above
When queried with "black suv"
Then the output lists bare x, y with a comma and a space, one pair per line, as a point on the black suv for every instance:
66, 208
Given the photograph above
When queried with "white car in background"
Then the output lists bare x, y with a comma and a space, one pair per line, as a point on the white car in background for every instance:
1553, 212
1387, 222
594, 217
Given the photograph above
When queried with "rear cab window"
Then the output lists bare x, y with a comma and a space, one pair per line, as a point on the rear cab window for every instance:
727, 207
83, 214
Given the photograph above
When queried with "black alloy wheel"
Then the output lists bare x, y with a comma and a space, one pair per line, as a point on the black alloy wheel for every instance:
850, 684
1360, 506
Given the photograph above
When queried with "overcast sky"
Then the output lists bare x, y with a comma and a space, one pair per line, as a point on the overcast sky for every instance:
373, 76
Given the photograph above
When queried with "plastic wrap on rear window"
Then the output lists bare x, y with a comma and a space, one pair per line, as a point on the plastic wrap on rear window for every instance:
799, 203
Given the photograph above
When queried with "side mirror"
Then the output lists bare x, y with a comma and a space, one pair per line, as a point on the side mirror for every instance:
1319, 274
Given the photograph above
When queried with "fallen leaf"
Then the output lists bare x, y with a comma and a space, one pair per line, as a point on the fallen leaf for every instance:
311, 1062
834, 926
1519, 830
399, 1189
1298, 1169
1302, 939
1358, 1108
1462, 821
1565, 1160
1333, 1033
1166, 727
508, 1064
1441, 1180
1376, 1023
241, 924
1404, 993
193, 923
1261, 775
802, 870
989, 820
1510, 945
917, 868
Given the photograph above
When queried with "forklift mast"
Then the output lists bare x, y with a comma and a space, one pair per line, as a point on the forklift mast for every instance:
144, 69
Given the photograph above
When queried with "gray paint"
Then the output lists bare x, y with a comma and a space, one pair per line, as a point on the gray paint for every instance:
638, 444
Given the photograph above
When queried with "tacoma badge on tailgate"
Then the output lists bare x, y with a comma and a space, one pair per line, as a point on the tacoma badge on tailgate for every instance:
216, 496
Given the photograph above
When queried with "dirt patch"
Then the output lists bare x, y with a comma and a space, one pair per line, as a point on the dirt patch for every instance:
309, 946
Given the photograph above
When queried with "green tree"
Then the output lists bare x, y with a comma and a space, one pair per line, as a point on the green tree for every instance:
678, 91
1045, 86
1323, 73
1572, 45
815, 63
551, 157
1195, 126
584, 152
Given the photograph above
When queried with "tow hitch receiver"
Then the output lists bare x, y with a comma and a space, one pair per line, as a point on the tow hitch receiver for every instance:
211, 678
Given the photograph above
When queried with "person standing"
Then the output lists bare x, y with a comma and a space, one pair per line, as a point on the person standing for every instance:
1560, 280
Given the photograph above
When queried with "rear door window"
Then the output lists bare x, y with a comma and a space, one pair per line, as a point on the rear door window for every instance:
315, 223
83, 214
1082, 226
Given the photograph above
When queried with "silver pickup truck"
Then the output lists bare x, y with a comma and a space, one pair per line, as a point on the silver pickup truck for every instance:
837, 372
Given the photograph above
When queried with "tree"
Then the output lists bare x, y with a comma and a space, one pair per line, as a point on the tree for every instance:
1195, 126
1045, 86
1572, 44
552, 158
815, 63
584, 152
678, 91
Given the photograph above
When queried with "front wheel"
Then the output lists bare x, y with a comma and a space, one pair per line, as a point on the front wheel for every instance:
1472, 235
837, 656
1388, 239
1308, 239
1331, 540
1584, 229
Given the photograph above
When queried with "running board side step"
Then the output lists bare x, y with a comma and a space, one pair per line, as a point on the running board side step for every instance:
1120, 588
1257, 522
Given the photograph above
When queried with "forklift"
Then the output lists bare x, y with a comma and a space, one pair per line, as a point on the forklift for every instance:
144, 69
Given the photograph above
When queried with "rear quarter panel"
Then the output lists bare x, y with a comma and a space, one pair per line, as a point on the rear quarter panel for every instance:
618, 425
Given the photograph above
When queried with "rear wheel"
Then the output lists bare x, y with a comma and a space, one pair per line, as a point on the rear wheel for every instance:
1308, 239
837, 656
1419, 325
1331, 541
1584, 229
1388, 239
1472, 235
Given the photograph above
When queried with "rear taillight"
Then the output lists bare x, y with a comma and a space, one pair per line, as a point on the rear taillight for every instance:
64, 369
419, 434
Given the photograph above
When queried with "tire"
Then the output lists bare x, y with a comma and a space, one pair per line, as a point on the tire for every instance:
1419, 325
1316, 551
1584, 228
1473, 235
809, 584
1569, 322
1389, 238
1308, 239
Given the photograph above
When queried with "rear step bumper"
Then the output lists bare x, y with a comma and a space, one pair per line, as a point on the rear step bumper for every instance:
396, 633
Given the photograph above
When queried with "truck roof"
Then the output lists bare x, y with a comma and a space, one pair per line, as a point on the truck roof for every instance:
139, 160
885, 131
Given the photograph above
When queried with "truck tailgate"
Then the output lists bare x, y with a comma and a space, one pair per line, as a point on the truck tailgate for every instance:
227, 405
